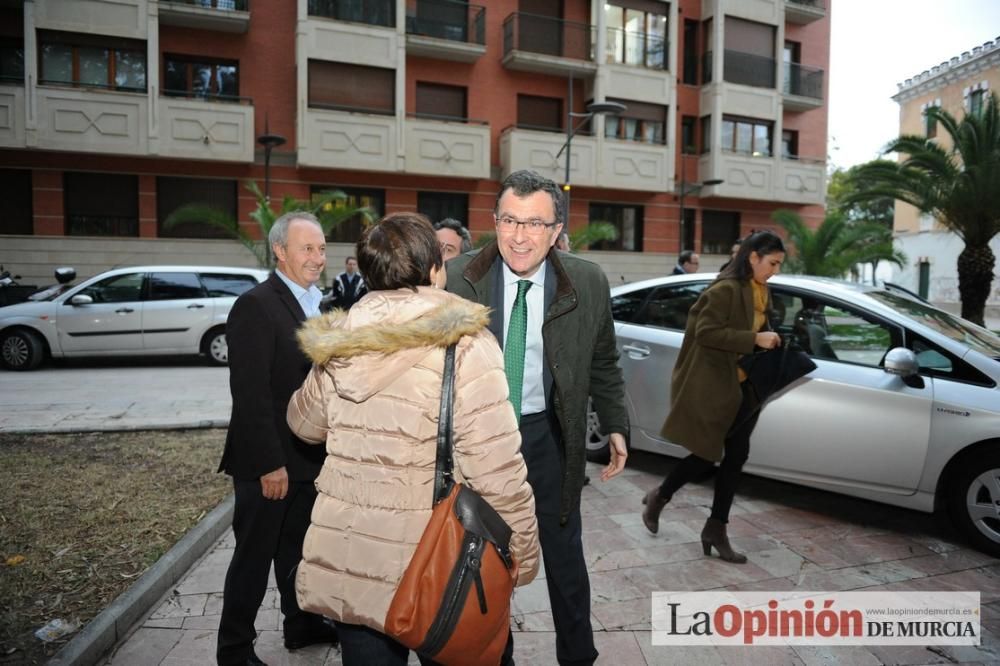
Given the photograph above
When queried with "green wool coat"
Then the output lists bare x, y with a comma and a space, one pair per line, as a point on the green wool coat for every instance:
581, 357
705, 391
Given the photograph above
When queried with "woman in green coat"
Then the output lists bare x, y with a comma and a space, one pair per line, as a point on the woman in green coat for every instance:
712, 408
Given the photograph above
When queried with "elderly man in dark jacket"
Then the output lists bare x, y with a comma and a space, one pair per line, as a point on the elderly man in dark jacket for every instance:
552, 316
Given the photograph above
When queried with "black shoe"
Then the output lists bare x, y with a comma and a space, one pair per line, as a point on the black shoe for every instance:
254, 660
316, 635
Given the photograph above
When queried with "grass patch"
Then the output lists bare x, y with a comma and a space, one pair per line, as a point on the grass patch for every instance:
83, 515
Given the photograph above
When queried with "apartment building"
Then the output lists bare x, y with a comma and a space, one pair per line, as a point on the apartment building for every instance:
960, 85
115, 112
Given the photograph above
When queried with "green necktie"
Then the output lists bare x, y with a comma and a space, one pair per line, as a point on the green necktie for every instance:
513, 349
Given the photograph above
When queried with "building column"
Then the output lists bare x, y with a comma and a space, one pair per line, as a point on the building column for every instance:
47, 202
153, 77
30, 76
147, 207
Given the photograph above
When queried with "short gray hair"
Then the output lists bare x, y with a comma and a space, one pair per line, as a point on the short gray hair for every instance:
458, 228
525, 182
278, 235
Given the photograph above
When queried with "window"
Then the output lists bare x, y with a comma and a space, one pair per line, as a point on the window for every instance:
719, 231
435, 100
668, 307
791, 58
372, 12
706, 134
746, 136
89, 60
690, 74
706, 54
625, 307
790, 144
11, 60
930, 125
636, 33
337, 85
220, 285
542, 113
15, 192
689, 135
349, 231
976, 101
628, 221
749, 56
116, 289
641, 122
200, 77
101, 204
439, 205
174, 286
172, 193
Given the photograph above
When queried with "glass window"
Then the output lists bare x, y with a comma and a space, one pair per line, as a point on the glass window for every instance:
15, 192
689, 138
11, 59
747, 136
435, 100
669, 305
626, 219
930, 125
719, 230
174, 286
117, 289
690, 52
57, 63
835, 332
372, 12
349, 231
200, 78
90, 60
947, 324
789, 144
338, 85
641, 122
976, 98
706, 134
625, 307
172, 193
439, 205
636, 33
101, 204
219, 285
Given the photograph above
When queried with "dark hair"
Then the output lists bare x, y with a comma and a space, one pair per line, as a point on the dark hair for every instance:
349, 258
763, 243
398, 252
685, 256
458, 228
524, 182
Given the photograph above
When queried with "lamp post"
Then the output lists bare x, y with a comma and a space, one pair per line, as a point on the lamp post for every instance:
270, 142
685, 188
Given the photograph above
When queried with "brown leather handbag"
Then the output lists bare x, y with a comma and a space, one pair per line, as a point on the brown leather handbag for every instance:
453, 603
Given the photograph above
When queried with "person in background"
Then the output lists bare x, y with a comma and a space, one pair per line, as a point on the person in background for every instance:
373, 398
688, 261
453, 237
733, 251
273, 471
349, 286
562, 242
713, 409
551, 371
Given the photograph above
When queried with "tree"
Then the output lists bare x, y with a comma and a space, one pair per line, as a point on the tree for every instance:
836, 246
841, 191
958, 185
330, 208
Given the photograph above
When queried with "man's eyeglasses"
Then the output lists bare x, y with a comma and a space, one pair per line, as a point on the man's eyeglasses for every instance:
534, 226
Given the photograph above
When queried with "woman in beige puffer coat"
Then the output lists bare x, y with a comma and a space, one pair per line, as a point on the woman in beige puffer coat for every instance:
373, 398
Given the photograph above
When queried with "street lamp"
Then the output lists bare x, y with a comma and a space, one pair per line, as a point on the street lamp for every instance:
686, 188
270, 142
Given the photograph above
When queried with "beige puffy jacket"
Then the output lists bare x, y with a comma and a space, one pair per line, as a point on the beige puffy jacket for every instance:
373, 397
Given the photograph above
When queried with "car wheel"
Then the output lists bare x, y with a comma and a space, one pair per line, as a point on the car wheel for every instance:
598, 449
21, 350
974, 501
216, 347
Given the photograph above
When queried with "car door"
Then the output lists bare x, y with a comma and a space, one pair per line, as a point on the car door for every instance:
176, 314
848, 423
111, 323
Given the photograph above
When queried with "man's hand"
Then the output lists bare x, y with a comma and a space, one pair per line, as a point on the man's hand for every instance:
619, 454
274, 484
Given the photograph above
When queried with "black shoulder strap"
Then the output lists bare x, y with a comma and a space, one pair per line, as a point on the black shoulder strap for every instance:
443, 478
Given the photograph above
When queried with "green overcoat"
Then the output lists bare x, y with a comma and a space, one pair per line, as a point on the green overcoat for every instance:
705, 391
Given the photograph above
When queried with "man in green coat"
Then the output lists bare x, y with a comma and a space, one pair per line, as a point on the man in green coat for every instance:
552, 316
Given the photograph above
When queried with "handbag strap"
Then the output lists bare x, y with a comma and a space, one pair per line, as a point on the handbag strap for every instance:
443, 477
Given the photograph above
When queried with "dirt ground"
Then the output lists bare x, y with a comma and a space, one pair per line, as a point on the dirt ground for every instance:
83, 515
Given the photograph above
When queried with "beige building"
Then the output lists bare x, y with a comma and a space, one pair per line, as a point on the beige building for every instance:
959, 86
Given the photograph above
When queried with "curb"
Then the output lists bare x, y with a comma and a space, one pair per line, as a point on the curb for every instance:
123, 427
113, 623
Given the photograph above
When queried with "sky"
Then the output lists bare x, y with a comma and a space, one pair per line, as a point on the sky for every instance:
874, 45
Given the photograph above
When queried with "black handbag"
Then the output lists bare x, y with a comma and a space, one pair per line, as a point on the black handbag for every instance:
770, 370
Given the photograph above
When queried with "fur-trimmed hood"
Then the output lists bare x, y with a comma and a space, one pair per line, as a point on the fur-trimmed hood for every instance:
387, 332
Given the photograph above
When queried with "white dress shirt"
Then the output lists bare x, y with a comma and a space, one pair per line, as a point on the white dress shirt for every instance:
533, 387
309, 299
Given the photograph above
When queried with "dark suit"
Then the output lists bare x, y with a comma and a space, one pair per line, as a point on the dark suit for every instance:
678, 270
265, 367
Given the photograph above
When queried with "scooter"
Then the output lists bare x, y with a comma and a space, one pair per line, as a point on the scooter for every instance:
64, 277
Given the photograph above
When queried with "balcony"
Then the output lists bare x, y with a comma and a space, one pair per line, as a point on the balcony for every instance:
12, 133
371, 12
802, 12
631, 165
212, 128
801, 180
122, 18
218, 15
342, 32
92, 121
447, 147
637, 49
764, 178
445, 29
536, 150
802, 89
338, 139
548, 46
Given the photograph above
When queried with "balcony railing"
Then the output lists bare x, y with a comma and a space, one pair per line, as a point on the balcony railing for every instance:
446, 19
208, 97
447, 118
101, 225
221, 5
548, 36
91, 86
641, 49
802, 80
743, 68
372, 12
817, 4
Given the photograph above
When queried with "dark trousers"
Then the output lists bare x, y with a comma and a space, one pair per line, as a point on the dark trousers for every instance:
562, 545
363, 646
736, 452
265, 530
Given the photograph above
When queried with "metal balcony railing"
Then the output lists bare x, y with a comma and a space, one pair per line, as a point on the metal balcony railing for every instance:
641, 49
818, 4
548, 36
802, 80
447, 19
743, 68
371, 12
101, 225
207, 97
221, 5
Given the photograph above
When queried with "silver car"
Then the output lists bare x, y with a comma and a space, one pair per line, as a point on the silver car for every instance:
137, 311
903, 407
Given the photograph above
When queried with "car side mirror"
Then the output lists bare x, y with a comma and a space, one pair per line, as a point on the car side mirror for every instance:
81, 299
902, 362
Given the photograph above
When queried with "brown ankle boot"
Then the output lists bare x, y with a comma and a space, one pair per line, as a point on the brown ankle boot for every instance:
714, 534
654, 505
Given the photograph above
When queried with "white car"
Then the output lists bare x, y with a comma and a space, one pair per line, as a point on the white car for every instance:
903, 407
137, 311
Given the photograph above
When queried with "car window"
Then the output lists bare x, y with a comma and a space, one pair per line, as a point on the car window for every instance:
174, 286
624, 307
938, 362
668, 305
116, 289
226, 284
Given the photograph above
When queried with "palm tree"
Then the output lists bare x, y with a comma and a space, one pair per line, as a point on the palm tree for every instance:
330, 208
836, 246
959, 186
